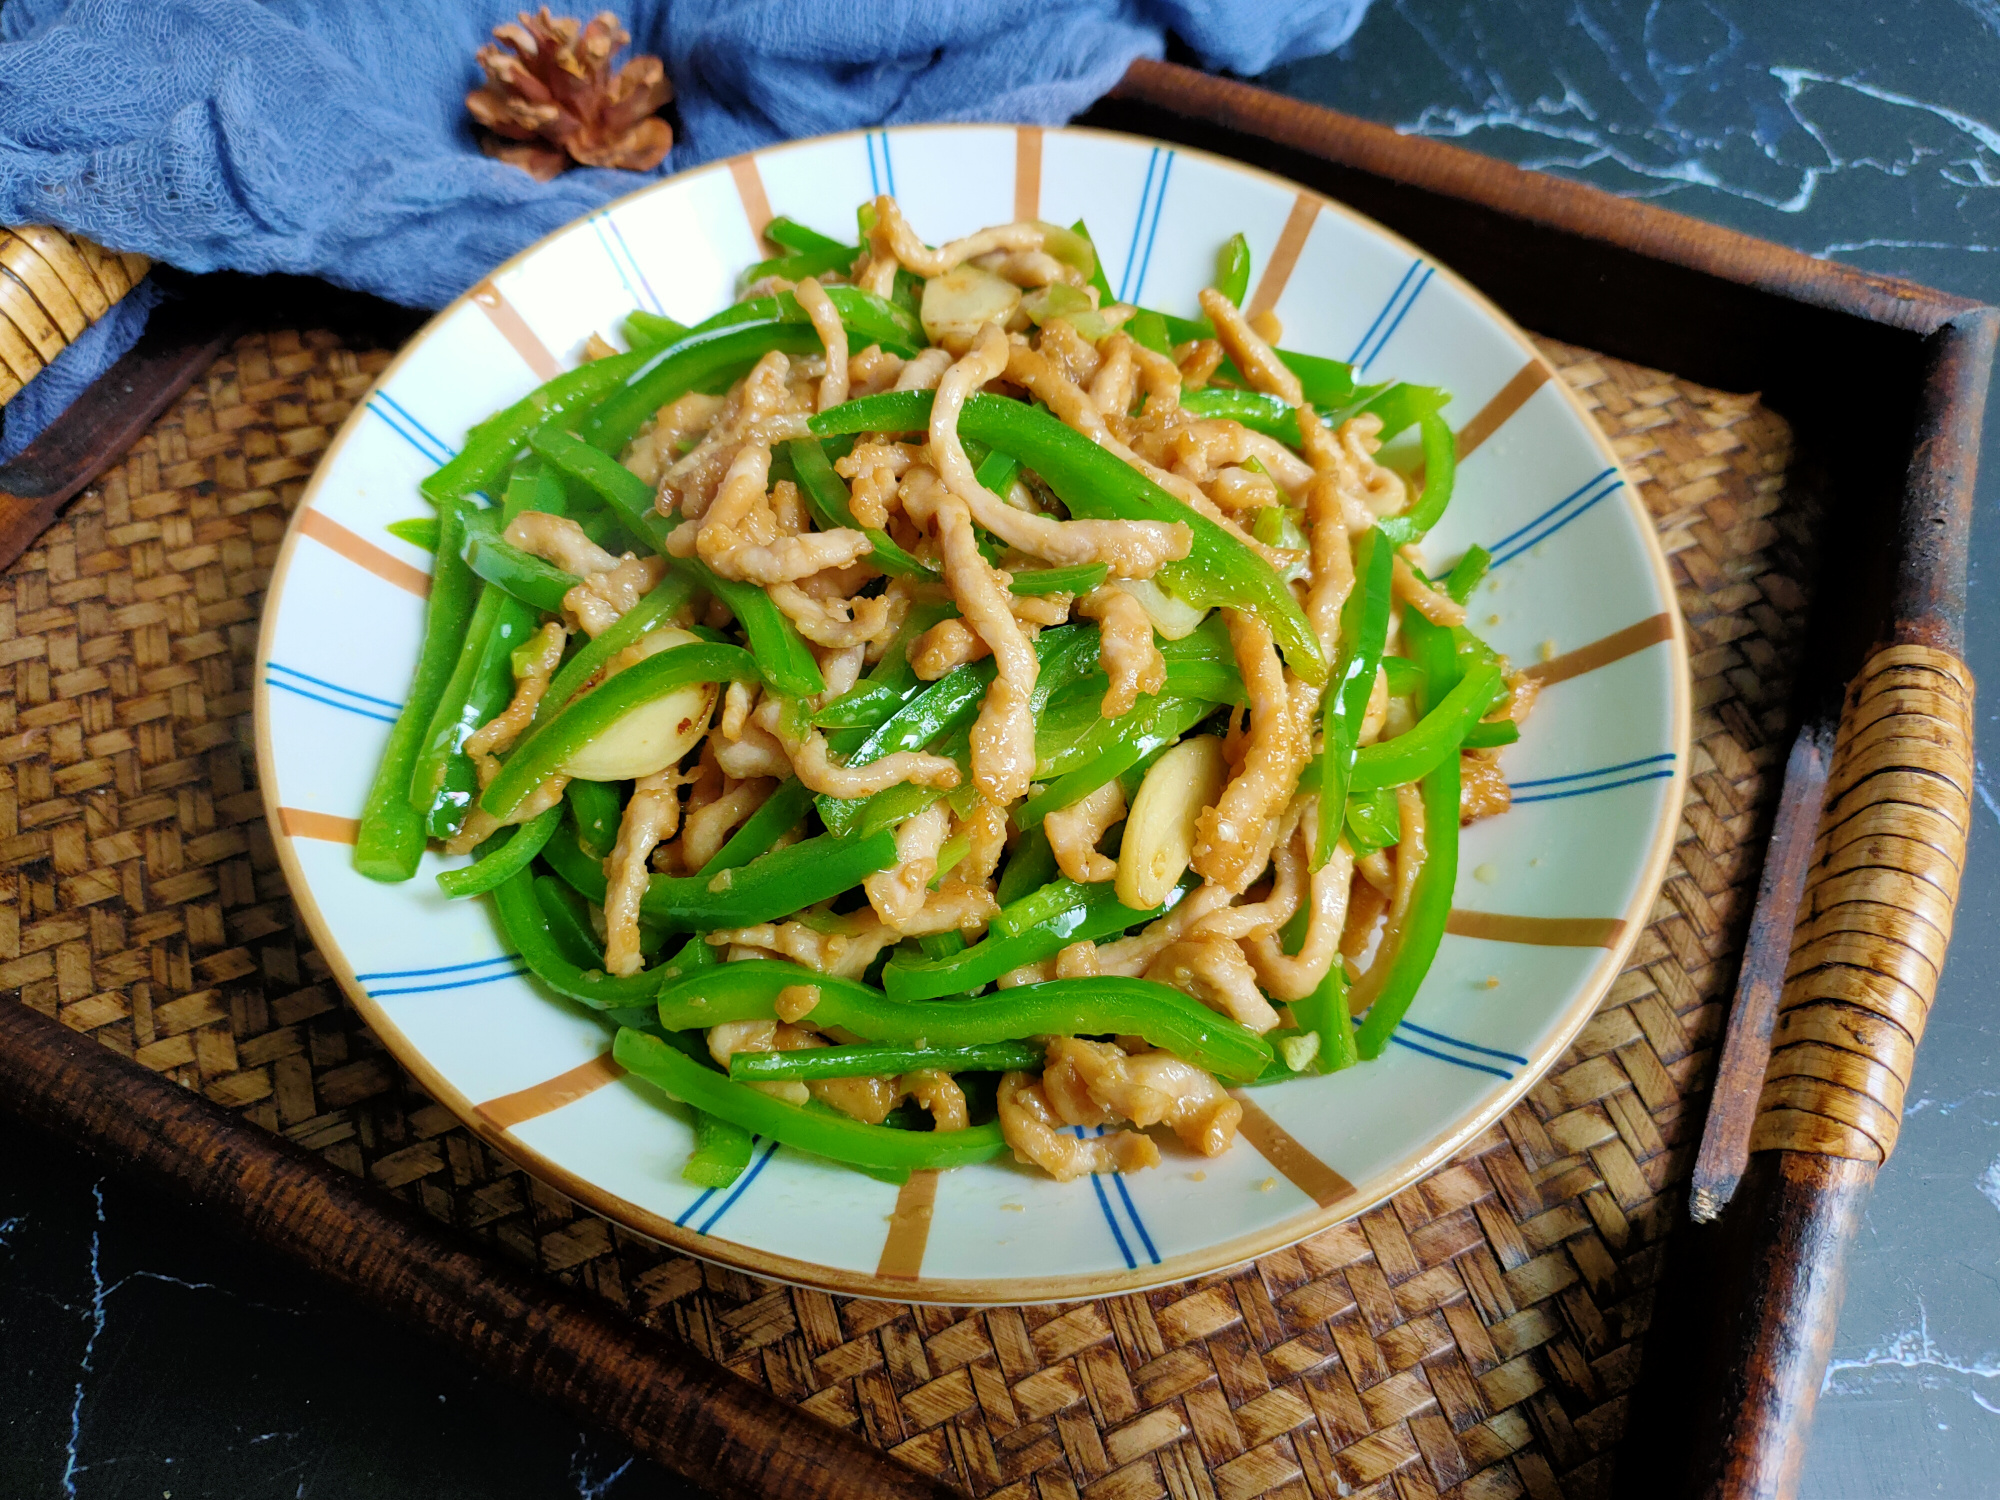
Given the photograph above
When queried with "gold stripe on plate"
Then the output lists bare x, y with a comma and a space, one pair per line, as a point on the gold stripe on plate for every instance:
514, 328
909, 1229
750, 188
297, 823
1027, 172
1284, 256
363, 553
1283, 1150
1602, 653
552, 1094
1510, 398
1537, 932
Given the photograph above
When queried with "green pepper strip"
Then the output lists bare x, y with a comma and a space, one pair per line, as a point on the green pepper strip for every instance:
772, 886
1105, 297
443, 784
939, 717
1104, 1005
1372, 820
596, 811
418, 531
661, 375
800, 264
721, 1152
1080, 579
779, 815
568, 918
1434, 738
523, 844
1405, 676
650, 613
864, 706
890, 684
645, 330
1092, 912
544, 753
827, 497
1326, 382
1219, 569
792, 235
869, 319
491, 446
1031, 866
537, 584
1391, 983
1466, 573
528, 930
997, 472
1324, 1014
1232, 269
788, 665
1440, 470
878, 1148
1364, 627
1492, 734
1042, 904
390, 840
1160, 723
1399, 405
874, 1061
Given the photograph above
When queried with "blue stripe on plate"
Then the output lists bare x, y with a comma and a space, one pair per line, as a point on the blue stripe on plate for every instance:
410, 417
1104, 1202
874, 177
1439, 1036
1138, 224
462, 984
483, 963
1395, 307
1153, 228
1125, 1196
1607, 786
597, 225
888, 166
278, 666
695, 1207
1589, 484
742, 1187
1476, 1067
351, 708
1401, 313
1536, 538
645, 287
1624, 765
395, 425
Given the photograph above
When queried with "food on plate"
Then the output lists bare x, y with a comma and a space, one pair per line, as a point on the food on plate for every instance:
937, 711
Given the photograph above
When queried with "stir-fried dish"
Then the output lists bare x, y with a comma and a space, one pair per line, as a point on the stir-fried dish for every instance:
935, 710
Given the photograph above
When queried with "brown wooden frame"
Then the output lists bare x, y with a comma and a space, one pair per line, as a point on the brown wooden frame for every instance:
1729, 1381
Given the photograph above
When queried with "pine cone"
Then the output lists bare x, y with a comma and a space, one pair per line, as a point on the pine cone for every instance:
550, 97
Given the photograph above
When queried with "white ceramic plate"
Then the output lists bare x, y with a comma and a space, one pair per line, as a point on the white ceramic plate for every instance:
1550, 896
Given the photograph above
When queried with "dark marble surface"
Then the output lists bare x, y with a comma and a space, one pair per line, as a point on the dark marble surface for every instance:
145, 1354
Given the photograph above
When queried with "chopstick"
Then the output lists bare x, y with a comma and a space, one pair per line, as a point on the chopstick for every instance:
182, 338
1746, 1044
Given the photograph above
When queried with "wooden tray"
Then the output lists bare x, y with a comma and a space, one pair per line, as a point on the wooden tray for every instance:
1508, 1326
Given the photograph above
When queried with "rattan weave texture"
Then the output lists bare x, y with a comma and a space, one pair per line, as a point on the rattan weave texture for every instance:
1477, 1336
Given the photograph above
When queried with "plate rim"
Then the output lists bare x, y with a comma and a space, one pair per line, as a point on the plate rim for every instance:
1363, 1197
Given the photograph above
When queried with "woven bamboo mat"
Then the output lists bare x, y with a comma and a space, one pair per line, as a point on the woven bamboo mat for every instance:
1478, 1336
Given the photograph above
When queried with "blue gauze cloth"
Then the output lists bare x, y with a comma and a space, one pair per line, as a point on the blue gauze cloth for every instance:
332, 140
